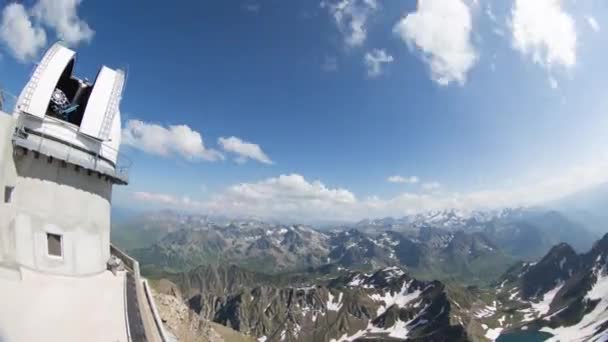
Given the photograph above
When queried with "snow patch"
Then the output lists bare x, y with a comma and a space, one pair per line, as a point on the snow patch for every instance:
587, 327
543, 306
487, 311
493, 334
400, 298
330, 302
528, 314
399, 330
357, 281
346, 338
393, 272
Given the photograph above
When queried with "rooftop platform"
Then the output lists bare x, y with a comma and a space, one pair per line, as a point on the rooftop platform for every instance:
41, 307
38, 306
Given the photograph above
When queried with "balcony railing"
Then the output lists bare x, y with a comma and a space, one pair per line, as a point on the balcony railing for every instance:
143, 312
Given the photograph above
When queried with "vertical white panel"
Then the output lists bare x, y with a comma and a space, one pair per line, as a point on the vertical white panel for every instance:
113, 110
35, 97
103, 104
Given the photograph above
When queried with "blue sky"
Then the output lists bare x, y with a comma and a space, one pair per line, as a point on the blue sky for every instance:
306, 109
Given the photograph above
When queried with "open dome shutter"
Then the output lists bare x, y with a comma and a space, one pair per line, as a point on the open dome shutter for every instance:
103, 104
35, 97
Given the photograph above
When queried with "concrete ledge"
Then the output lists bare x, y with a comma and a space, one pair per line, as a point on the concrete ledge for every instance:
157, 320
152, 324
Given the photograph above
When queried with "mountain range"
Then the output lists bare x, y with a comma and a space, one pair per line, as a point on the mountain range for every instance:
474, 248
562, 297
508, 275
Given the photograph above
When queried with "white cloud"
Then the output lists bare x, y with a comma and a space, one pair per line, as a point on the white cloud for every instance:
499, 32
401, 179
62, 16
166, 141
430, 186
374, 61
294, 197
19, 34
351, 17
553, 82
490, 13
544, 31
283, 196
330, 64
442, 31
166, 199
593, 24
245, 150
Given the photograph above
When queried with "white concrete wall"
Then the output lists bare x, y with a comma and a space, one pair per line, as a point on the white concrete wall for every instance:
56, 198
52, 198
8, 177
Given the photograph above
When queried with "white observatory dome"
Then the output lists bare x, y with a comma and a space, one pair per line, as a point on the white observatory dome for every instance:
58, 163
69, 118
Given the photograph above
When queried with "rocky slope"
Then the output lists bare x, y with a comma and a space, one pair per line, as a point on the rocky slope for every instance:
184, 324
386, 305
563, 297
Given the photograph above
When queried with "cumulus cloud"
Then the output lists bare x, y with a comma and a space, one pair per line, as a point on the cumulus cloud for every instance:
294, 197
542, 30
284, 196
431, 186
159, 198
62, 16
401, 179
166, 141
244, 150
21, 29
374, 60
442, 32
19, 34
593, 24
351, 17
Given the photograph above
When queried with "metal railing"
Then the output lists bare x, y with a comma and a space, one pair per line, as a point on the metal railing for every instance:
143, 298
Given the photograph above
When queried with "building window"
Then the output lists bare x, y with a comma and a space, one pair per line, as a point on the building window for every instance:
54, 244
8, 194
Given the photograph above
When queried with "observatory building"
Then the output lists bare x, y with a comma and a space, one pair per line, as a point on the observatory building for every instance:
59, 159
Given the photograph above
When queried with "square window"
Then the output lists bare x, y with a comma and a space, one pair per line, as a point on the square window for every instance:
8, 194
54, 244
